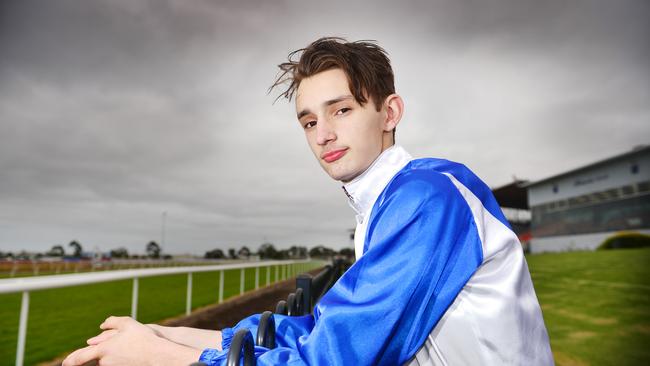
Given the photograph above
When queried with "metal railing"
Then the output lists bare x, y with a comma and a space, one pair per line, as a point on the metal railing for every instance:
308, 291
29, 284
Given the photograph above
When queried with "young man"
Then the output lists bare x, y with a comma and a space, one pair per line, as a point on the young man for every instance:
440, 278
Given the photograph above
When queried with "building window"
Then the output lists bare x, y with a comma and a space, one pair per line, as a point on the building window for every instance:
634, 168
631, 213
555, 188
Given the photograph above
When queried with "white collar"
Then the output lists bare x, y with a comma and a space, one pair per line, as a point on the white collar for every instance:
363, 190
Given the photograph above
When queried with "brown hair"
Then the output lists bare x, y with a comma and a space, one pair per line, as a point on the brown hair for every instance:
365, 64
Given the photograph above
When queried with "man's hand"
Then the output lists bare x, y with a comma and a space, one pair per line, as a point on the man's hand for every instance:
125, 341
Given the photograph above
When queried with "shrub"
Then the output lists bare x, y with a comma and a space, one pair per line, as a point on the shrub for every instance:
625, 241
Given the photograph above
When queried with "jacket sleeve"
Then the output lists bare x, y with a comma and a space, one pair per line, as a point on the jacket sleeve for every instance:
421, 248
288, 331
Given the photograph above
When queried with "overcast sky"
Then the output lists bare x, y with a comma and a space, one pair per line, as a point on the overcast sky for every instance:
113, 112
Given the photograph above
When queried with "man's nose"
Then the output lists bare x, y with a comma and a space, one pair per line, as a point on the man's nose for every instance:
324, 132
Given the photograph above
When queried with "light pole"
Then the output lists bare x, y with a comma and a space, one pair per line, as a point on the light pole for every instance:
162, 230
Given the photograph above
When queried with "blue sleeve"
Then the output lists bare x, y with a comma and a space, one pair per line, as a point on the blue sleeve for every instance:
288, 331
422, 246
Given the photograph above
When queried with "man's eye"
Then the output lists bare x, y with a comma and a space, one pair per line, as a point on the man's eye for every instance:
309, 124
342, 110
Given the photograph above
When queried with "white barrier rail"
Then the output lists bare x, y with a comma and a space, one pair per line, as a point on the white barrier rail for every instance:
28, 284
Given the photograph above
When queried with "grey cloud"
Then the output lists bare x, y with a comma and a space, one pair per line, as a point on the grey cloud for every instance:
112, 112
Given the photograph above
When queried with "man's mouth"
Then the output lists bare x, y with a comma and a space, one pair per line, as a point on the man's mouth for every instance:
334, 155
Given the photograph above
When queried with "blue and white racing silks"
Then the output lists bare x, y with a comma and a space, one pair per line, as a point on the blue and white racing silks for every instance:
440, 279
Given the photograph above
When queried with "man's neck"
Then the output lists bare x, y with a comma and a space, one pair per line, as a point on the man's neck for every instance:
364, 189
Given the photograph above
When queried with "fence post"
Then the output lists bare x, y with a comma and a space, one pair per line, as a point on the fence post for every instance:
134, 299
22, 329
188, 305
268, 275
303, 282
257, 277
276, 272
242, 279
221, 274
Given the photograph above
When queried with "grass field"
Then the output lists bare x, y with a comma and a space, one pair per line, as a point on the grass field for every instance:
62, 319
596, 306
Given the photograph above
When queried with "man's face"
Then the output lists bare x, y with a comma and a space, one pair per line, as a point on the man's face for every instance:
344, 136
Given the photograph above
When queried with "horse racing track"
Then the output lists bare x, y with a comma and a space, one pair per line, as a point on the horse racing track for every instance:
596, 306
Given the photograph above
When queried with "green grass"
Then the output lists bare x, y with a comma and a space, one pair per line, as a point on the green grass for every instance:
60, 320
596, 305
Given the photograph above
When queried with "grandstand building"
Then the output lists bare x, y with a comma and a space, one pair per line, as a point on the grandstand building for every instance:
580, 208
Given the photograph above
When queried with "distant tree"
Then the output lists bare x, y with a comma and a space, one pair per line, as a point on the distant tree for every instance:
120, 252
153, 249
77, 249
283, 254
316, 251
321, 252
56, 251
167, 257
232, 254
347, 252
296, 252
268, 251
215, 254
293, 252
244, 252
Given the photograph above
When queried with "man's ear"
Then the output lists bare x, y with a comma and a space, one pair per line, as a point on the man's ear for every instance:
394, 106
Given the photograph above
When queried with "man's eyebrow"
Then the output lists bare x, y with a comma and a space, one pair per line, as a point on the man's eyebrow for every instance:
305, 112
337, 99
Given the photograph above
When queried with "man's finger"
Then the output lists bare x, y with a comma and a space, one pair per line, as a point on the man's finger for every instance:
101, 337
82, 355
115, 322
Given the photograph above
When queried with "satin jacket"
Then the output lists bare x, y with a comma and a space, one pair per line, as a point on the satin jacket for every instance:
440, 279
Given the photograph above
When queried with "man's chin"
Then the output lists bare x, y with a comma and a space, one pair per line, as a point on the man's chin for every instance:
343, 177
334, 174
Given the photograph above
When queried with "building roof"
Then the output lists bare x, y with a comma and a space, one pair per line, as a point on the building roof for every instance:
513, 195
635, 151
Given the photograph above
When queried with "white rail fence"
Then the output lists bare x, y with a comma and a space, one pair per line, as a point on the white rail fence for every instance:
28, 284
